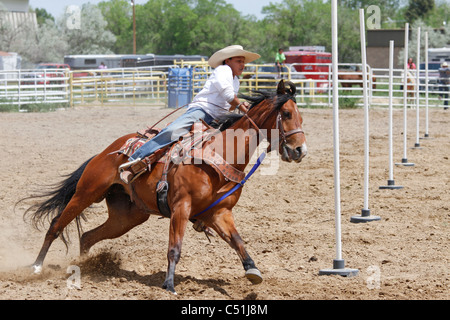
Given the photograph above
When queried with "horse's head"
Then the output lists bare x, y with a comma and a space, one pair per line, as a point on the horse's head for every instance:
292, 142
279, 114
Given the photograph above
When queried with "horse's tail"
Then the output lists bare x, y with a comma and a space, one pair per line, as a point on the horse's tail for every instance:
56, 199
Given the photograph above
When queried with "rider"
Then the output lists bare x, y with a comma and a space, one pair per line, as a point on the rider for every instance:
217, 98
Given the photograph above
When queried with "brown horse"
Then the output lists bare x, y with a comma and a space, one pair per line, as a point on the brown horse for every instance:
193, 187
411, 85
353, 80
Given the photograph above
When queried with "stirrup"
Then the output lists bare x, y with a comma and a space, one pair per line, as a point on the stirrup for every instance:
128, 164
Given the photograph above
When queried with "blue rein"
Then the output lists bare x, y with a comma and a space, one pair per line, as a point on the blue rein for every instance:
237, 186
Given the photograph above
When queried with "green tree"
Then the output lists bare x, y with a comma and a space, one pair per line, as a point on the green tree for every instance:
42, 16
119, 17
150, 20
308, 22
219, 25
439, 16
417, 9
191, 27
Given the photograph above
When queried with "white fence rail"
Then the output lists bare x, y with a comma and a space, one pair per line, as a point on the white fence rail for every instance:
149, 85
21, 87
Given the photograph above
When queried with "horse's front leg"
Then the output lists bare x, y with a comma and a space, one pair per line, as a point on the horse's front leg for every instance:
223, 224
178, 223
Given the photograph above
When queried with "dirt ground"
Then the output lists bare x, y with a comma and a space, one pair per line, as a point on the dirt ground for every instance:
287, 220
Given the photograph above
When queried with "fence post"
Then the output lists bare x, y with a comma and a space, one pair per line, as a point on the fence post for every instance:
370, 85
18, 89
69, 86
329, 84
45, 85
134, 89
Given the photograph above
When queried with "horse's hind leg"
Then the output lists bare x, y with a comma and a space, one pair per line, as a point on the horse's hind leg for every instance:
123, 216
223, 224
90, 188
178, 223
74, 208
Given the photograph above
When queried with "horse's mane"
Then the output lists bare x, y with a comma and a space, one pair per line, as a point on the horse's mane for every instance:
259, 96
274, 98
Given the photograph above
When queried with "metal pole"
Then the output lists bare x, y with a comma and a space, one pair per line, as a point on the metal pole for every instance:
365, 212
405, 100
391, 183
336, 146
426, 85
366, 112
417, 144
338, 263
391, 67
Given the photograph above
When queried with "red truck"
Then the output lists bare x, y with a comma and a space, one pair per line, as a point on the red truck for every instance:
34, 78
314, 63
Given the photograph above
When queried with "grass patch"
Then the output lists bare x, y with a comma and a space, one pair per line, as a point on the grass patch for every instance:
6, 106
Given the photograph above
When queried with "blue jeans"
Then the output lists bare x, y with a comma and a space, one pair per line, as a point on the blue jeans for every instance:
172, 132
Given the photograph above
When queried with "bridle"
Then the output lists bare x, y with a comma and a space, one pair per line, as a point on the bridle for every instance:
283, 134
279, 125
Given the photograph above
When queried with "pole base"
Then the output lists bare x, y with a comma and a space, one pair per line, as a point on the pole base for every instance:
364, 217
391, 185
339, 269
416, 146
425, 136
405, 163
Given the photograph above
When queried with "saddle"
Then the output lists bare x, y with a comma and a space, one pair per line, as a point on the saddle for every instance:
189, 150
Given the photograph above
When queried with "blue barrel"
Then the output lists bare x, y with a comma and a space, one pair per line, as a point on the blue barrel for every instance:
179, 87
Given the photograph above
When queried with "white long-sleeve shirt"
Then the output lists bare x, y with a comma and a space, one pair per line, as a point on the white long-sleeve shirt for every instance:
217, 93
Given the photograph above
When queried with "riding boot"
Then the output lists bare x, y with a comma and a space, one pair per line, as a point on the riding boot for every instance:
130, 171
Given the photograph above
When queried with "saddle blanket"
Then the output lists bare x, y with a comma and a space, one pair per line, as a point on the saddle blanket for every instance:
132, 145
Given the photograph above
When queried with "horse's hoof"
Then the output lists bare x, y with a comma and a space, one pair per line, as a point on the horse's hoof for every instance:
254, 276
169, 288
37, 269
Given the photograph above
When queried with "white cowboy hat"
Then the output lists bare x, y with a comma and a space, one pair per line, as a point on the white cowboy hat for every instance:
444, 64
231, 51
